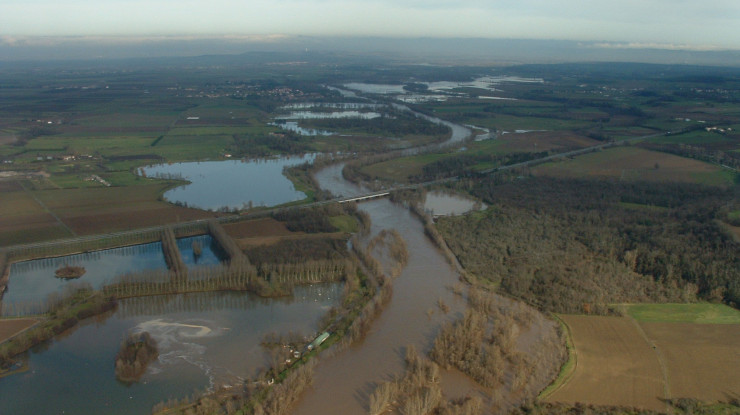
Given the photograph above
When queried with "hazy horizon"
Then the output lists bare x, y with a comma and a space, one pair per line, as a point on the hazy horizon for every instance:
469, 51
708, 25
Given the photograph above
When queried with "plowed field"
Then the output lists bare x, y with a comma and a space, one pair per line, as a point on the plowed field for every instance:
615, 365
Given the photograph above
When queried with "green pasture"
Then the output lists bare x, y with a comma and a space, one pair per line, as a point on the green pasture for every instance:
701, 313
345, 223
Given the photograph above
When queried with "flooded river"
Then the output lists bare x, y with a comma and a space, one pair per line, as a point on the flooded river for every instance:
342, 383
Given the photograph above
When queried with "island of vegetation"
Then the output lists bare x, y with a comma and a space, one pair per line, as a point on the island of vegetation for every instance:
69, 272
137, 351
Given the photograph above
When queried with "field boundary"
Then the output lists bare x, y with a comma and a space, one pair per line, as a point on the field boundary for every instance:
661, 363
569, 367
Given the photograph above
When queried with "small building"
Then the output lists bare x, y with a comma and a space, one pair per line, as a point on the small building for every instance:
317, 341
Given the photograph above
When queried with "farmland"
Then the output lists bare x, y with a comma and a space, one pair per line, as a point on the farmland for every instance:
615, 366
633, 163
44, 214
702, 360
657, 355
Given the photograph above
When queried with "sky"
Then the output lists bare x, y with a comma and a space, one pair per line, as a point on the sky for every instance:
678, 24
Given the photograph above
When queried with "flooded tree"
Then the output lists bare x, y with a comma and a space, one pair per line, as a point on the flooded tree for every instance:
137, 351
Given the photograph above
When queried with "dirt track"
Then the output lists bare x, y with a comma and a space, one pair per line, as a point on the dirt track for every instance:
11, 327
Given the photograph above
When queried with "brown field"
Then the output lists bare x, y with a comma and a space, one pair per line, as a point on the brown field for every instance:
11, 327
86, 211
22, 219
615, 365
633, 163
10, 186
256, 228
703, 360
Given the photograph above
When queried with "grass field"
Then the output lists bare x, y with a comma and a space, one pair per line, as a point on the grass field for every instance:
614, 366
703, 313
400, 169
632, 163
345, 223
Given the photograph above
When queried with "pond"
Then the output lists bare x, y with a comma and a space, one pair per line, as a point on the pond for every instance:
210, 252
448, 204
32, 281
204, 339
231, 184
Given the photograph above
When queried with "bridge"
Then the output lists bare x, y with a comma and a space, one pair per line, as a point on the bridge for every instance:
364, 197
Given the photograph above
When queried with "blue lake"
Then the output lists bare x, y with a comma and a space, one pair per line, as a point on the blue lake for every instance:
231, 184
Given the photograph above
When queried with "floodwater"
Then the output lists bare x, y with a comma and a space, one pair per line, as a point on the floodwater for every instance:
284, 121
204, 339
376, 88
32, 281
294, 127
336, 105
447, 204
342, 383
312, 115
488, 83
211, 253
231, 184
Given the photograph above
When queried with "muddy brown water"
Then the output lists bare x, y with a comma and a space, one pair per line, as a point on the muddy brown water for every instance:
343, 383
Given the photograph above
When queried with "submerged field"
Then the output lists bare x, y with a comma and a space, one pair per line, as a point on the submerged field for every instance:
662, 352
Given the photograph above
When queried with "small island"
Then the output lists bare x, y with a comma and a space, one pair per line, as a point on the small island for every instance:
137, 351
69, 272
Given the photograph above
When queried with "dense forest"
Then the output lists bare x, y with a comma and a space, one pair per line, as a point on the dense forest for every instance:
576, 245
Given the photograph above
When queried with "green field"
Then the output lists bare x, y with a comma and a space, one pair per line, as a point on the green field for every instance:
702, 313
345, 223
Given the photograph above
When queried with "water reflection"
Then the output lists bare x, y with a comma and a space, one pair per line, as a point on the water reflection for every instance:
231, 184
446, 204
32, 281
210, 252
205, 339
